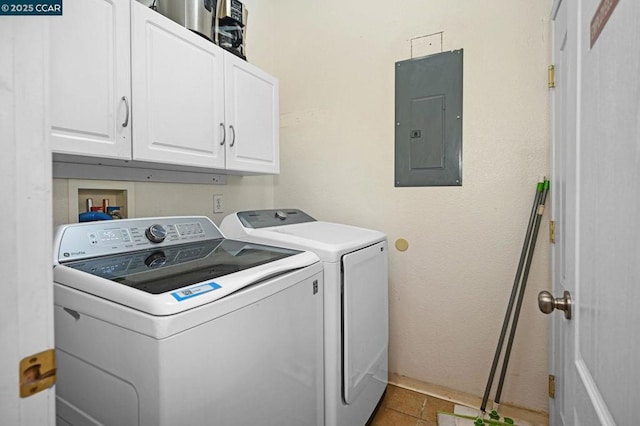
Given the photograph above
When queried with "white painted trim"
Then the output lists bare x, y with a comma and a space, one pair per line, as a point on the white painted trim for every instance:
135, 174
601, 409
26, 306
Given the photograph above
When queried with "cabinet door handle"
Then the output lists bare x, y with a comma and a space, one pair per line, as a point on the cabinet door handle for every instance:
233, 139
224, 134
126, 119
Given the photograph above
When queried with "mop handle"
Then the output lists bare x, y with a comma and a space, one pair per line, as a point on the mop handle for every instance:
521, 295
505, 324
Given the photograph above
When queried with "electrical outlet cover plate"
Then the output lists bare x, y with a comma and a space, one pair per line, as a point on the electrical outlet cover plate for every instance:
218, 206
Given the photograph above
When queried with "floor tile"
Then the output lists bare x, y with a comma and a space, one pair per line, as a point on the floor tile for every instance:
388, 417
404, 401
433, 405
403, 407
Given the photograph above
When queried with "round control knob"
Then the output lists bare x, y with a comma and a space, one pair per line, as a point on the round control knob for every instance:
281, 215
156, 233
156, 260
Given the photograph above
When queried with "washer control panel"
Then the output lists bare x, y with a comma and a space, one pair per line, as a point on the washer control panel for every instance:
275, 217
90, 239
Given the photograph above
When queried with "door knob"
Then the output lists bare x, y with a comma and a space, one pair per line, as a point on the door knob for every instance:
547, 303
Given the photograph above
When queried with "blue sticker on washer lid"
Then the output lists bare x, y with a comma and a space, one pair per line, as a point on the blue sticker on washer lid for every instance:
197, 290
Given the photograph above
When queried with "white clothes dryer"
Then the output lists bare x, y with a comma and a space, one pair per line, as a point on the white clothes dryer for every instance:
356, 313
164, 322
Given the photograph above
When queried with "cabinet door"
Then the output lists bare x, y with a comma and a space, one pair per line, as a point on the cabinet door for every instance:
252, 118
90, 80
177, 92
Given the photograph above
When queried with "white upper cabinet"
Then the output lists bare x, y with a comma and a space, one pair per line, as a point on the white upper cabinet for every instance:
128, 83
90, 79
252, 114
178, 109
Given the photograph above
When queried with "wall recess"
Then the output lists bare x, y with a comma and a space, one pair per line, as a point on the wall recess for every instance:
120, 194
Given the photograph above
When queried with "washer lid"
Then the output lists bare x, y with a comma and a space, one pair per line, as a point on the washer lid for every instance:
158, 271
328, 240
173, 279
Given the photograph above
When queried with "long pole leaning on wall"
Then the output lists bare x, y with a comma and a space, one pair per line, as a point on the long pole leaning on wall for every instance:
518, 290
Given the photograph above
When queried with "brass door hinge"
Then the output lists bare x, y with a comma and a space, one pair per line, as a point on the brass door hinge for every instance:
552, 231
37, 372
552, 386
552, 76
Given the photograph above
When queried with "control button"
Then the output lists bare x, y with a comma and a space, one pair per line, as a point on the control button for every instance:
93, 239
281, 215
156, 233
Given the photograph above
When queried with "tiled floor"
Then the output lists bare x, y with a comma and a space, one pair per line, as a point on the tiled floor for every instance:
402, 407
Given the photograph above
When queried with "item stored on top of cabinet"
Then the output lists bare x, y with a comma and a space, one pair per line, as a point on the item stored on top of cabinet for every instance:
196, 15
231, 27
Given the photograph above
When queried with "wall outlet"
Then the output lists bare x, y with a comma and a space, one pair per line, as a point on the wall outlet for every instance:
218, 206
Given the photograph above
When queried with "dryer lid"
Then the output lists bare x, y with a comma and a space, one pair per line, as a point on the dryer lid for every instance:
330, 241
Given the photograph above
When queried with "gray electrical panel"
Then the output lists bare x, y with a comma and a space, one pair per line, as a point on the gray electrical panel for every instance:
428, 140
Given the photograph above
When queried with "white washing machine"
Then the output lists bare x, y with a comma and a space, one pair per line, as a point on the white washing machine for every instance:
356, 318
163, 321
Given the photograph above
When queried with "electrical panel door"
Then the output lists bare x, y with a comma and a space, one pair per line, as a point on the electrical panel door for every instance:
428, 140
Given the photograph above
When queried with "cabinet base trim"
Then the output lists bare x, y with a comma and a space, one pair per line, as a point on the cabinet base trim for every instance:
78, 170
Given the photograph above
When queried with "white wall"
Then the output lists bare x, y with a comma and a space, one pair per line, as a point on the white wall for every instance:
168, 199
335, 61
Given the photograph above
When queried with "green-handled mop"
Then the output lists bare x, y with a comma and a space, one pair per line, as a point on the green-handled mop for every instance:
516, 315
519, 286
518, 290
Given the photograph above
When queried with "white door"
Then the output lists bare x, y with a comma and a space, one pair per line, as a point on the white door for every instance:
178, 100
90, 79
252, 117
26, 305
596, 205
563, 202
